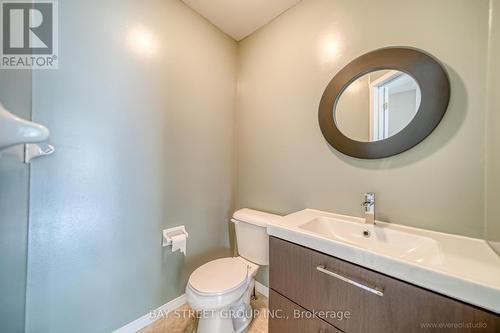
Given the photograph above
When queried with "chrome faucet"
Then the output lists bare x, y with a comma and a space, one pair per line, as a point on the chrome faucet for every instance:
369, 206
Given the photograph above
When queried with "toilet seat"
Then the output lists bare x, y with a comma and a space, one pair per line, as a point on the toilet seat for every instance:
217, 277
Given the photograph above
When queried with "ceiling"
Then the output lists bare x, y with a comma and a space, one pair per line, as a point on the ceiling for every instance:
239, 18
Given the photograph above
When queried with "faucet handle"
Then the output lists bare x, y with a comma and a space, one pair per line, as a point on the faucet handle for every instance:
370, 196
369, 199
369, 205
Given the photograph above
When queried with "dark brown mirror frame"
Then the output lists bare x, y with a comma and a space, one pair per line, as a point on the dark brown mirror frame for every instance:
435, 90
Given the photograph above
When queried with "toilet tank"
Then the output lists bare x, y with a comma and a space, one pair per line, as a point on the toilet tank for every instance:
251, 235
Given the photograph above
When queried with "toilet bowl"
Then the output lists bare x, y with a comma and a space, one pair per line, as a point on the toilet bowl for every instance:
220, 290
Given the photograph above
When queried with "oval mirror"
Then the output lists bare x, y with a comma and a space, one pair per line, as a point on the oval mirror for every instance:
384, 103
378, 105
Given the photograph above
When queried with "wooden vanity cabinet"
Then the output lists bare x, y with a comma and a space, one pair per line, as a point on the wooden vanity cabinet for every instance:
290, 318
351, 298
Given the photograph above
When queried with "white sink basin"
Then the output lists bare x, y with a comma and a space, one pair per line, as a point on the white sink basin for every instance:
461, 267
396, 243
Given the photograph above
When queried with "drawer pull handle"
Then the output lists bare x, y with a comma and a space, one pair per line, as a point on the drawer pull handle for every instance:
375, 291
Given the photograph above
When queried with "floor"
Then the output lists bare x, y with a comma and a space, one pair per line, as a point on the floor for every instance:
181, 320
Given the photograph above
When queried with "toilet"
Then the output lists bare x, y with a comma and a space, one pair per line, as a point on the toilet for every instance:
220, 290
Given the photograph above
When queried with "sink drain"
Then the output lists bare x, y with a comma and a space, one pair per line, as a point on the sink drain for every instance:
366, 233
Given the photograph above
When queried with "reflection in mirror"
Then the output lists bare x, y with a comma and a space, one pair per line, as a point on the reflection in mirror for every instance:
377, 106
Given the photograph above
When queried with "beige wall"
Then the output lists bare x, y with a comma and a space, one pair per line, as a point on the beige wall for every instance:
493, 138
284, 163
141, 112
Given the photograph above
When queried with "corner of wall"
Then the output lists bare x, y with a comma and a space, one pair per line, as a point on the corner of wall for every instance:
492, 139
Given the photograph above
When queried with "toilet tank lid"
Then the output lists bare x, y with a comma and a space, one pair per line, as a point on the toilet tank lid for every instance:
255, 217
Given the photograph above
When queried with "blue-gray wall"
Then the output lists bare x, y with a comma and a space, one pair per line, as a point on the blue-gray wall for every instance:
15, 95
141, 114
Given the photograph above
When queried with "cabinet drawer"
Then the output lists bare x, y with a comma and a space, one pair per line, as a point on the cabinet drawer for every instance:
288, 317
376, 302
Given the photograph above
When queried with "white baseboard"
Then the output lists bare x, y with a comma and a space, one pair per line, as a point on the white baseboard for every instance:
148, 319
262, 289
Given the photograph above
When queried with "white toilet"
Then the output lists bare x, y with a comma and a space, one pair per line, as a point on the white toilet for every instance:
221, 289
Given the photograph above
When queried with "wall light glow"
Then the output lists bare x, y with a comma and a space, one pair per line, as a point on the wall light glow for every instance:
142, 41
330, 48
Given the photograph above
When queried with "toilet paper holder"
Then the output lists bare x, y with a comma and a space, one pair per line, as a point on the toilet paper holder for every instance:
169, 234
